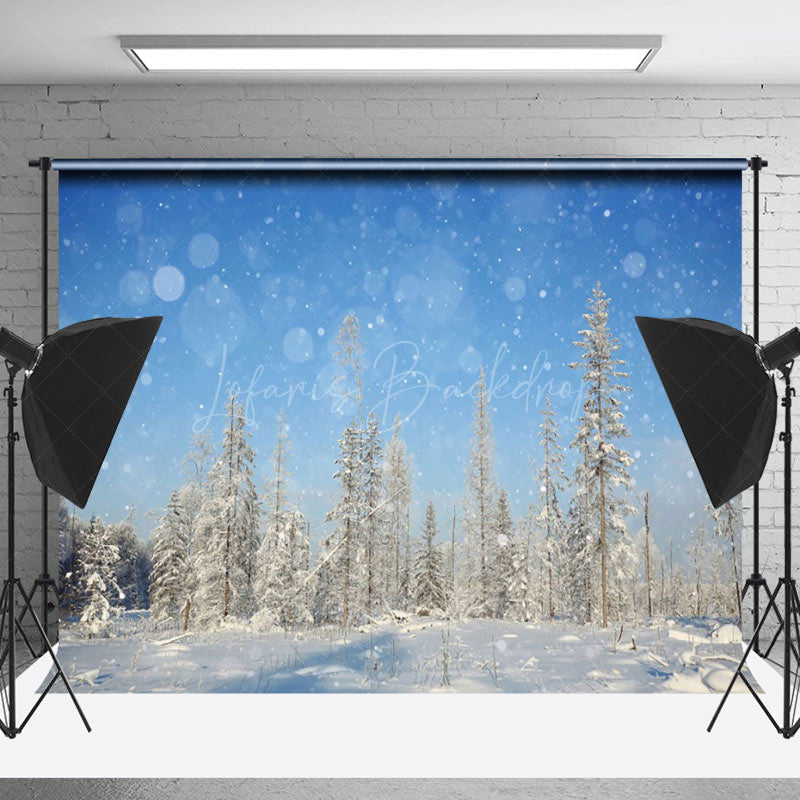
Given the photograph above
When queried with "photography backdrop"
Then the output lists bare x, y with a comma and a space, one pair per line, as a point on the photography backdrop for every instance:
464, 280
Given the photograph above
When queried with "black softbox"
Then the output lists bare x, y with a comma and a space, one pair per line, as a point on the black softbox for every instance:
74, 397
721, 393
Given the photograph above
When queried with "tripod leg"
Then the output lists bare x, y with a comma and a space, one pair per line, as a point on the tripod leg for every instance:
780, 627
757, 585
26, 605
45, 584
3, 685
779, 630
59, 670
3, 599
761, 703
38, 702
796, 620
795, 695
739, 669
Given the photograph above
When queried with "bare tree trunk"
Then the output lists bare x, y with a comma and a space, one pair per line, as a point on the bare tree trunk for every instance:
673, 604
736, 588
394, 547
346, 600
603, 575
484, 601
453, 557
697, 589
547, 545
697, 585
407, 554
603, 579
186, 608
370, 578
647, 552
228, 531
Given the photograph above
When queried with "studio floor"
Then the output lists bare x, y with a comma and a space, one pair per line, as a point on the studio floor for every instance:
475, 736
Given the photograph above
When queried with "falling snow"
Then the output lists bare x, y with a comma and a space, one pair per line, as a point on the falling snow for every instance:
251, 277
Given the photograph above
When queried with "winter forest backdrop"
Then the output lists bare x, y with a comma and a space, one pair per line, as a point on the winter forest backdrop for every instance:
411, 402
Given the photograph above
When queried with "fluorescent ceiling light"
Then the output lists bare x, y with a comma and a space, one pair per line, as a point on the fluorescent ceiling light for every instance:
512, 54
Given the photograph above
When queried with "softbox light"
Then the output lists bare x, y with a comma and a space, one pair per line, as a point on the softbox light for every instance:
75, 394
77, 384
721, 393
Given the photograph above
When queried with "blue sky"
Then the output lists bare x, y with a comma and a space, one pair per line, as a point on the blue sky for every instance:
446, 271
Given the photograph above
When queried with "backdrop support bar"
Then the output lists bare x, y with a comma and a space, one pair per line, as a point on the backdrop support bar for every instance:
399, 164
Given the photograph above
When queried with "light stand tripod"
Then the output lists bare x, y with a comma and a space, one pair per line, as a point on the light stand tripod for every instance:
10, 623
789, 622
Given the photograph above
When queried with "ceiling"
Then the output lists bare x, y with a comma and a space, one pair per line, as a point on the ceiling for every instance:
704, 41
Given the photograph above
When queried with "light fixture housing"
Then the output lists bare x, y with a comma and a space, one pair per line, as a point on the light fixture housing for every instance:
366, 55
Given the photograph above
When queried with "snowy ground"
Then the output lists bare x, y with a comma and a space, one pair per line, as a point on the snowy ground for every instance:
416, 655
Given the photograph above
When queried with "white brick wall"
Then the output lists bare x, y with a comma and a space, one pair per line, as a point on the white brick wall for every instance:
401, 120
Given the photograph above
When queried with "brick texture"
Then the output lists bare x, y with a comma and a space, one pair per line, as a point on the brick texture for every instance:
399, 120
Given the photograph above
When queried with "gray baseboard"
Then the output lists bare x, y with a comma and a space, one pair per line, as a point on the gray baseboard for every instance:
396, 789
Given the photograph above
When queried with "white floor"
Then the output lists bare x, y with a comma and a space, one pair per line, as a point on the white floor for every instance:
600, 735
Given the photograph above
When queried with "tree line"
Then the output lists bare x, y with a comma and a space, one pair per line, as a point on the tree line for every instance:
103, 569
225, 550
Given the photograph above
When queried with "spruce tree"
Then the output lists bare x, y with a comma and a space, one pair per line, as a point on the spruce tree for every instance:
397, 482
197, 465
97, 580
228, 526
347, 514
623, 568
479, 496
349, 350
169, 579
581, 543
430, 585
280, 589
373, 528
70, 543
605, 463
133, 566
551, 481
518, 606
503, 555
327, 603
352, 509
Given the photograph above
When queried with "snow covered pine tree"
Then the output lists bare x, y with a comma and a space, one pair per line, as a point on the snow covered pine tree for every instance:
430, 586
170, 572
97, 581
228, 527
604, 465
551, 480
479, 498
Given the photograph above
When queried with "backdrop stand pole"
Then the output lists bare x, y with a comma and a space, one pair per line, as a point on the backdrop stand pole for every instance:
756, 580
45, 582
